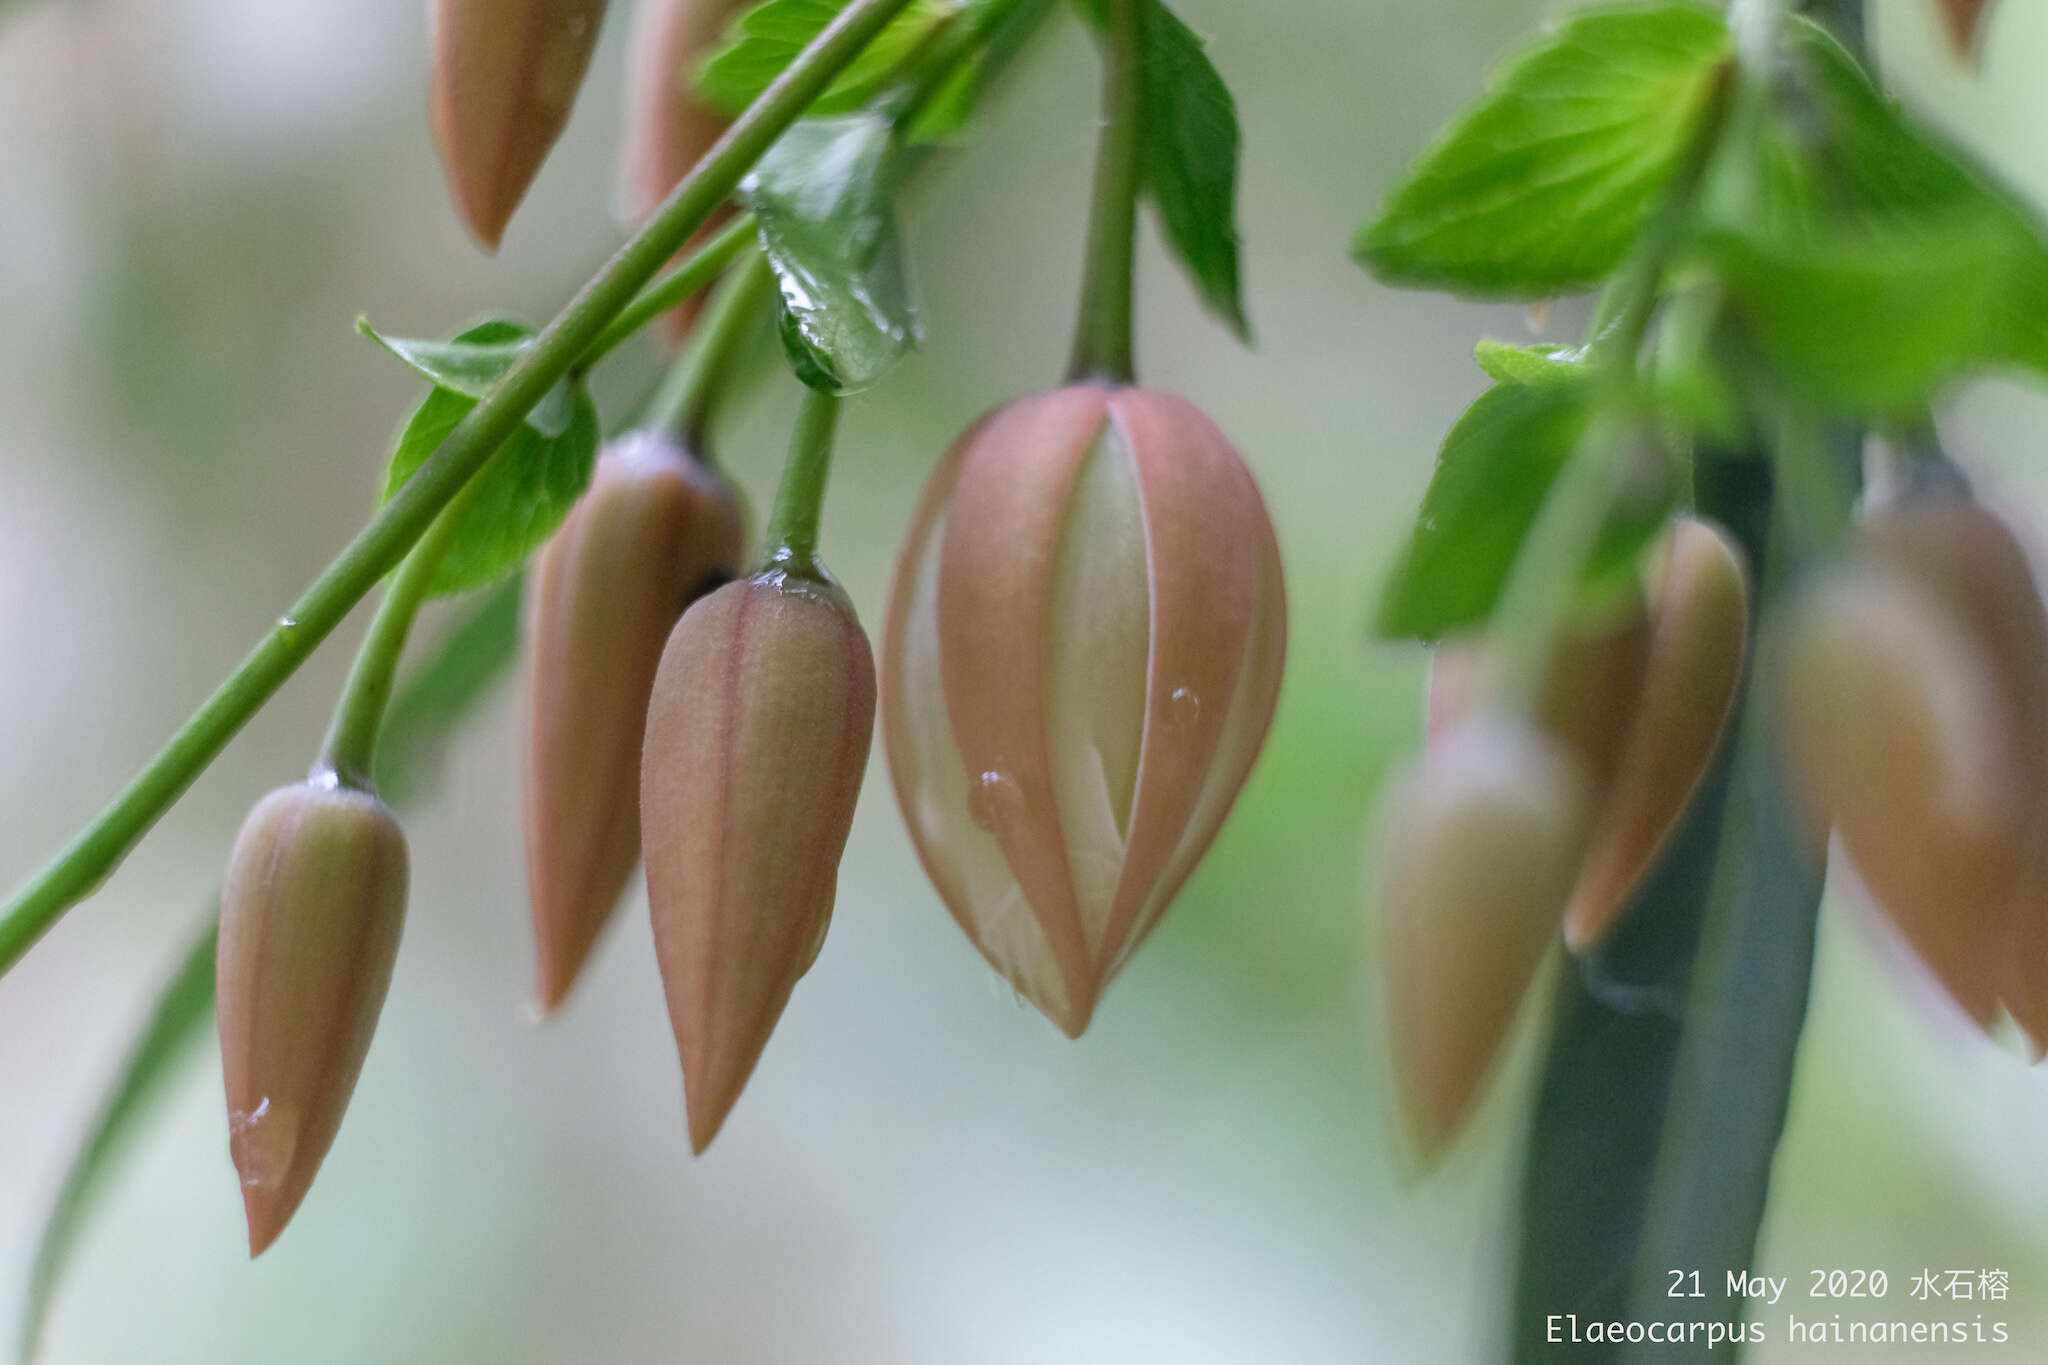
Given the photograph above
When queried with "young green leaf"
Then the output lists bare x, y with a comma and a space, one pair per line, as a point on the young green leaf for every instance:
1188, 153
1541, 187
768, 37
524, 492
825, 199
433, 700
1498, 464
472, 361
1535, 366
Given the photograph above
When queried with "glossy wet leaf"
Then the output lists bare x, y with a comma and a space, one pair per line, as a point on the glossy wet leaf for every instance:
1541, 187
431, 702
825, 199
524, 492
767, 38
1188, 154
470, 363
1497, 466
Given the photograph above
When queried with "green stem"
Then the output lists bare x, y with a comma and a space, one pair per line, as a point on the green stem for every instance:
95, 852
1102, 335
698, 379
351, 748
800, 498
706, 264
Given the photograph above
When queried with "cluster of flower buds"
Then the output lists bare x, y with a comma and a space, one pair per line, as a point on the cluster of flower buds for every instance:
657, 529
1082, 655
1509, 827
1913, 706
309, 927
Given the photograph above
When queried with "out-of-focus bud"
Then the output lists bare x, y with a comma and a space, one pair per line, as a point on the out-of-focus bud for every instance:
309, 926
668, 128
1964, 22
757, 736
1968, 558
1478, 849
1082, 656
1898, 736
505, 75
657, 529
1692, 670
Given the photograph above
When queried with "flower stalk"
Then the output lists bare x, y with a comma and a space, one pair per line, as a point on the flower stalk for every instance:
1102, 337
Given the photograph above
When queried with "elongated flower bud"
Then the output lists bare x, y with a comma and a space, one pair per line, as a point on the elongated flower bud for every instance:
656, 529
1970, 561
1479, 846
1082, 655
1691, 672
1897, 734
505, 75
757, 736
1964, 22
309, 926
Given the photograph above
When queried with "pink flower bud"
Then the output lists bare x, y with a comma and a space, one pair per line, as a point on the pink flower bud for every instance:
757, 736
1970, 561
668, 128
1897, 735
656, 529
505, 75
1082, 656
1964, 21
309, 926
1480, 844
1691, 673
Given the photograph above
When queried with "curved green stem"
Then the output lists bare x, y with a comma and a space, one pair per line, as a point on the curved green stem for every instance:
95, 852
800, 498
1102, 335
706, 264
350, 750
697, 381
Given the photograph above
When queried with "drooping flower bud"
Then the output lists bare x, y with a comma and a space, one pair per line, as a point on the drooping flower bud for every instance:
1896, 732
1480, 843
668, 128
1970, 561
1691, 672
657, 529
505, 75
1964, 21
1082, 656
757, 736
309, 927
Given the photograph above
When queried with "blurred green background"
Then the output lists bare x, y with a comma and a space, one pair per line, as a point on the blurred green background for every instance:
197, 197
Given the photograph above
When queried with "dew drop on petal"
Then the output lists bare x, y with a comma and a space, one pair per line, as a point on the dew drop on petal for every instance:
261, 1141
1183, 709
994, 801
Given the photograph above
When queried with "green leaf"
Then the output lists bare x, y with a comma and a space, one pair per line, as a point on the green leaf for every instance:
1542, 186
1188, 153
767, 38
1497, 467
1536, 366
522, 494
174, 1024
434, 698
825, 198
473, 361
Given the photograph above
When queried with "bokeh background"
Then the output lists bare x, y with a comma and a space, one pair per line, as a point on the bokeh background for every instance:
197, 197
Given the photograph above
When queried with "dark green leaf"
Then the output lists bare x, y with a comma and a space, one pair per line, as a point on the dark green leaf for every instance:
1188, 153
174, 1024
825, 197
432, 701
521, 496
766, 38
1542, 186
1497, 466
473, 361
